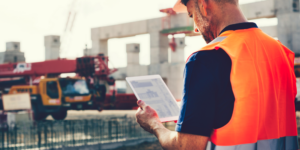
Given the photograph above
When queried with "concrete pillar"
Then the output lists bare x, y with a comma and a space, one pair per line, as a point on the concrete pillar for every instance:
95, 47
178, 55
12, 54
99, 46
176, 68
133, 54
172, 72
287, 12
52, 47
133, 62
87, 51
159, 45
13, 46
104, 47
175, 79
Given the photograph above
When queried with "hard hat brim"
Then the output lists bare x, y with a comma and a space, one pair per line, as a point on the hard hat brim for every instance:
179, 7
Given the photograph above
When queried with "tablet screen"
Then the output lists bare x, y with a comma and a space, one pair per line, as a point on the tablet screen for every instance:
154, 92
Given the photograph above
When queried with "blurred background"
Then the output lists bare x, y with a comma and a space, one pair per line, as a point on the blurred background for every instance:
29, 21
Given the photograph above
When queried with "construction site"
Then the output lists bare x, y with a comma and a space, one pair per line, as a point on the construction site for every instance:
78, 103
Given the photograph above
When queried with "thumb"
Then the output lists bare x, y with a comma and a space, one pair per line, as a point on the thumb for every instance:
141, 104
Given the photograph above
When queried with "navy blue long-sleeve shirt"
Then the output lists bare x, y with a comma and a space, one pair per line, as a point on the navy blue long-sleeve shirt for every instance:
208, 98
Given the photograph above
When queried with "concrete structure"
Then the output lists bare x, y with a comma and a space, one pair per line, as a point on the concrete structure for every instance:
177, 56
287, 12
159, 45
287, 31
87, 52
12, 54
52, 47
158, 41
133, 63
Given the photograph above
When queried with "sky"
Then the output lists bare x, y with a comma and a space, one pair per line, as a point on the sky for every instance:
28, 21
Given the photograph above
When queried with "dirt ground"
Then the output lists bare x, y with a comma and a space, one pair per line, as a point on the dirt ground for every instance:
143, 146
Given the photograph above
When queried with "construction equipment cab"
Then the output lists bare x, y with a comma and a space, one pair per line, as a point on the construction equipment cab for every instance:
51, 94
54, 96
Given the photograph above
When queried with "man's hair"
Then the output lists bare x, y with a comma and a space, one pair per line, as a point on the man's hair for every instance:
184, 2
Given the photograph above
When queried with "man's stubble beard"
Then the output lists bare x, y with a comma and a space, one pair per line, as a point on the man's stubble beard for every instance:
205, 26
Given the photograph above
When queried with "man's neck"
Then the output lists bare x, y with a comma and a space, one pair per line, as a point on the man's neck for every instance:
232, 15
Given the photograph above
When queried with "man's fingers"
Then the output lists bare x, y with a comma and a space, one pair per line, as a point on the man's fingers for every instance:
138, 112
142, 104
139, 109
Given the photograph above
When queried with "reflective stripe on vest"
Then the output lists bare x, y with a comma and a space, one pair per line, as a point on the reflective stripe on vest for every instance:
264, 85
284, 143
218, 39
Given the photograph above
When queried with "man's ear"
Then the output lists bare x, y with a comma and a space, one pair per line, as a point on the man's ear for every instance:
202, 4
196, 30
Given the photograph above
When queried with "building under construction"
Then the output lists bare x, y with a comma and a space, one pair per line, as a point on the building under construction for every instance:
287, 31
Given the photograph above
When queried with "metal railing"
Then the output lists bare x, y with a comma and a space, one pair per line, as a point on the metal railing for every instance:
69, 133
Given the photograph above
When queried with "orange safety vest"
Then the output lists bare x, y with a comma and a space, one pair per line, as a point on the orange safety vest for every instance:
264, 85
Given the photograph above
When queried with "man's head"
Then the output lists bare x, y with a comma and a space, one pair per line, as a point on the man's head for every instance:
208, 15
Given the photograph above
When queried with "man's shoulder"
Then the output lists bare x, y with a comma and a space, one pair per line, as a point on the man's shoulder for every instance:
208, 55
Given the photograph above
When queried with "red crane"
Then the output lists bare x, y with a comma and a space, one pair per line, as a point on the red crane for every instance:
83, 66
94, 70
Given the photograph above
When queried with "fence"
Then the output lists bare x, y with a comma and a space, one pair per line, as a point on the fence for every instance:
69, 133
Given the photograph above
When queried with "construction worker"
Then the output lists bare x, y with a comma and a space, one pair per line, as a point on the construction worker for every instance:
239, 90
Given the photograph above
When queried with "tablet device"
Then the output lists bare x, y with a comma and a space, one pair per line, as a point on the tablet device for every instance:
155, 93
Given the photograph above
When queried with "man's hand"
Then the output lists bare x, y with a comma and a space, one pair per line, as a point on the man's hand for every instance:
169, 140
147, 117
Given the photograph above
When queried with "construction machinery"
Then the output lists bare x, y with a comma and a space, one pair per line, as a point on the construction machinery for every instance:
52, 95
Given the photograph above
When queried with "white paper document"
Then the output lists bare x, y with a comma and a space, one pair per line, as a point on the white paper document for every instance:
154, 92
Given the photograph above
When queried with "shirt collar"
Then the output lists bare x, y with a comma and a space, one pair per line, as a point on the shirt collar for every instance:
239, 26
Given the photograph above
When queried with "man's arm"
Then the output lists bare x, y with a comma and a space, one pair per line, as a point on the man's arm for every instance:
169, 140
175, 140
